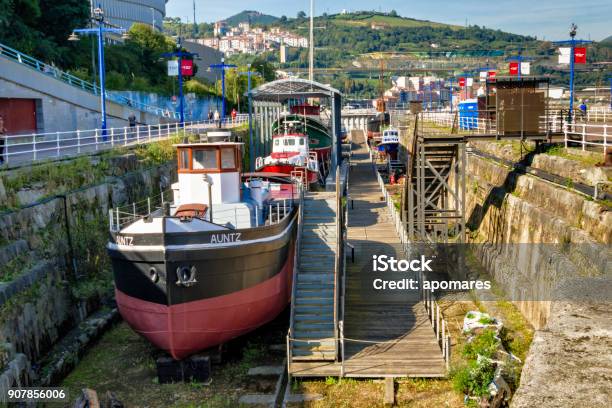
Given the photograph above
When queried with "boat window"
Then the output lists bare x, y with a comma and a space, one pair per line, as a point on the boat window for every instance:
184, 159
205, 159
290, 142
276, 142
228, 159
301, 141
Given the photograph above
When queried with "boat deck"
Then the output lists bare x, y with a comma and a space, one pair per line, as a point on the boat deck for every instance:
388, 338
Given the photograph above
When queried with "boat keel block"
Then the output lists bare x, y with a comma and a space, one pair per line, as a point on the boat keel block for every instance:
194, 368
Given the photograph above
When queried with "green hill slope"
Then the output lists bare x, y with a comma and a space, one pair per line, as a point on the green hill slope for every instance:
254, 17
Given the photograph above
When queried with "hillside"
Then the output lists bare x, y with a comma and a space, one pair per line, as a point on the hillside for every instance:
250, 16
607, 40
346, 36
390, 20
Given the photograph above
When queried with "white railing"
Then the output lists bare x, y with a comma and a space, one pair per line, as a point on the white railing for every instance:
587, 134
122, 216
274, 213
26, 148
438, 323
476, 125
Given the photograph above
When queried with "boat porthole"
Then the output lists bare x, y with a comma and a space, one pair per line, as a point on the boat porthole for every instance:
153, 274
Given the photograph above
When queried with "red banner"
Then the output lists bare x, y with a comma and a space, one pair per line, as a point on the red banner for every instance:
187, 67
579, 55
514, 68
461, 82
492, 74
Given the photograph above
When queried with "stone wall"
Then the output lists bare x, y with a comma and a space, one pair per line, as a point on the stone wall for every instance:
557, 234
52, 293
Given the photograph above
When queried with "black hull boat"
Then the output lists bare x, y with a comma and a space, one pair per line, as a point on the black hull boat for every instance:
198, 273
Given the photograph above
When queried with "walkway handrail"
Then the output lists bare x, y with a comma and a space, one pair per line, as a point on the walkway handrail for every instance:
33, 147
296, 259
438, 323
339, 261
587, 134
77, 82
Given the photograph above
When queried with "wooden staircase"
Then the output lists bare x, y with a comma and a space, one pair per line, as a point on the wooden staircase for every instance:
313, 316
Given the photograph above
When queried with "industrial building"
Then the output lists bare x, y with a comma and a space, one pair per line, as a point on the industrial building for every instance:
124, 13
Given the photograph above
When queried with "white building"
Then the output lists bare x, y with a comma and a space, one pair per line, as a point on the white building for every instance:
124, 13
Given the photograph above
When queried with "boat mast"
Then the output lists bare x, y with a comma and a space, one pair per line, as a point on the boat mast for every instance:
311, 43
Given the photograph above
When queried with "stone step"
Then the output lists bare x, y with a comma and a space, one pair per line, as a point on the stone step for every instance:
24, 280
13, 250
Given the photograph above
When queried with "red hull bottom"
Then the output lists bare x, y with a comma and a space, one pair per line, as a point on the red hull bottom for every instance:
187, 328
287, 169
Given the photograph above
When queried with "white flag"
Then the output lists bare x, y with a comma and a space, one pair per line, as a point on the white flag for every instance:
483, 75
525, 68
173, 67
470, 81
564, 55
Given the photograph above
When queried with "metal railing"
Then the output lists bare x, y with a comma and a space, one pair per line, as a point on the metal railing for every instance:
587, 134
438, 323
599, 114
26, 148
122, 216
296, 260
77, 82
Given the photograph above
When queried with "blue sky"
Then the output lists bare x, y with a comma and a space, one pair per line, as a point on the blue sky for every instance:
548, 19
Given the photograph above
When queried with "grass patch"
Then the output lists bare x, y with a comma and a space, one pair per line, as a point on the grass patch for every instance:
15, 267
569, 154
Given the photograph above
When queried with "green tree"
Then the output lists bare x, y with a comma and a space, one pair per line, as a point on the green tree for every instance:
41, 27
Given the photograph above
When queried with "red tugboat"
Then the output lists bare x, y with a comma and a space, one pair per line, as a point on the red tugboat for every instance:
215, 263
291, 156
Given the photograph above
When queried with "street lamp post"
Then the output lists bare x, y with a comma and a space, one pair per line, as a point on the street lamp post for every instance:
249, 74
98, 18
610, 92
451, 94
222, 66
572, 42
179, 53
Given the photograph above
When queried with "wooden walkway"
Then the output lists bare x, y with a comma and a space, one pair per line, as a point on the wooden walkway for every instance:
383, 338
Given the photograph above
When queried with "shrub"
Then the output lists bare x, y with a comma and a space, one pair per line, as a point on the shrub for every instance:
484, 344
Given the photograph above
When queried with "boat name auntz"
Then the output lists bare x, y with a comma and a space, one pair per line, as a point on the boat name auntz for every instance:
125, 240
223, 238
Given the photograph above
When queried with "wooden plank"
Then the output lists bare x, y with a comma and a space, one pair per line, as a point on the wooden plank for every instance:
405, 343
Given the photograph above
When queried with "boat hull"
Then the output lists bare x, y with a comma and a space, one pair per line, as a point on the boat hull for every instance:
238, 287
313, 177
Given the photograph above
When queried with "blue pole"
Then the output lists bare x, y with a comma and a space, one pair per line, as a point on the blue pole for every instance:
251, 141
102, 79
571, 104
451, 95
180, 78
223, 92
610, 93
